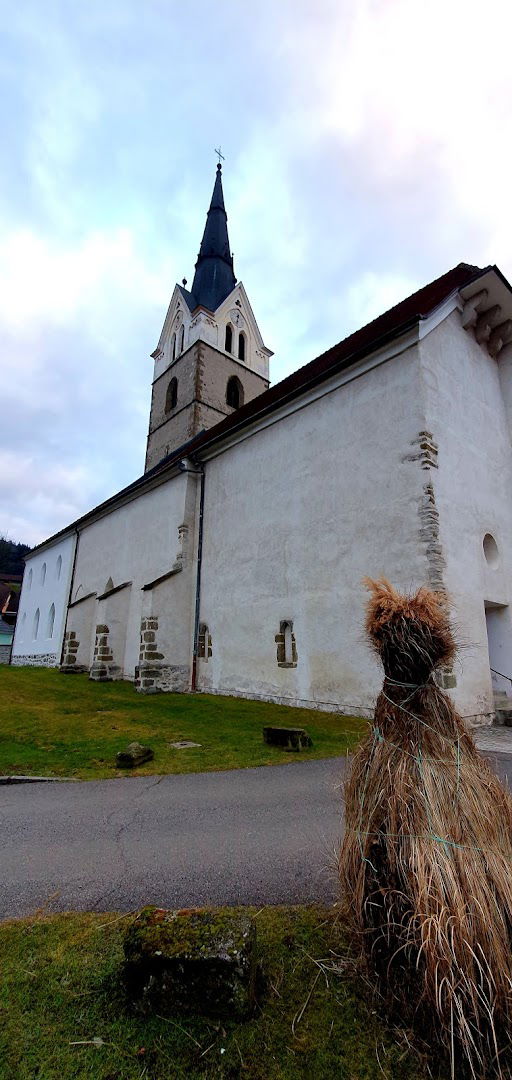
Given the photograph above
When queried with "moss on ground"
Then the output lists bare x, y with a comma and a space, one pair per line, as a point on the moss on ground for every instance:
64, 1016
62, 725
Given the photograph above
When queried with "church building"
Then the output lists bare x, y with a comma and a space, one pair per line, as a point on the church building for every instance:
234, 565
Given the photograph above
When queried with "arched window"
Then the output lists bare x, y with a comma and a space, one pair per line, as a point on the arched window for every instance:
58, 568
36, 624
109, 585
174, 346
22, 628
241, 346
30, 575
234, 393
43, 573
171, 397
229, 338
182, 338
51, 621
78, 590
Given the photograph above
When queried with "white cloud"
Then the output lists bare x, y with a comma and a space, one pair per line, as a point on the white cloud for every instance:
47, 283
49, 493
367, 152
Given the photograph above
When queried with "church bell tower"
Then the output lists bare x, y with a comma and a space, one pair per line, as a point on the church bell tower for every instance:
210, 358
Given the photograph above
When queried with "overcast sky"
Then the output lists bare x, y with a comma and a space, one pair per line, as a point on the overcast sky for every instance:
367, 147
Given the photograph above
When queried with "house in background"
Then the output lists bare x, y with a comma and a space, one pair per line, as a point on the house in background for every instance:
10, 587
6, 636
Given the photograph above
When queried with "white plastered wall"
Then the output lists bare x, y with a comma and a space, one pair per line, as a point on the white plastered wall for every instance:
473, 492
137, 543
39, 595
295, 517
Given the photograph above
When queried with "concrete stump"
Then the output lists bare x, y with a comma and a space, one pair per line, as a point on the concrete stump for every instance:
287, 738
193, 961
135, 754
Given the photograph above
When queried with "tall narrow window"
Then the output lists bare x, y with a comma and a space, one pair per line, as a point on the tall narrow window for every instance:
30, 575
51, 621
182, 339
171, 397
241, 346
43, 573
23, 621
174, 346
204, 642
288, 643
229, 338
36, 624
58, 568
234, 393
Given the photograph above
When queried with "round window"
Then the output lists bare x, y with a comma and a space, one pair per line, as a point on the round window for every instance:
491, 550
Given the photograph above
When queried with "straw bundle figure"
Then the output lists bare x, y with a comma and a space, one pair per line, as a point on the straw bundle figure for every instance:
426, 863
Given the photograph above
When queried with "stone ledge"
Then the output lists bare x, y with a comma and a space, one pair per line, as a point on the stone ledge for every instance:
287, 738
73, 669
194, 961
134, 755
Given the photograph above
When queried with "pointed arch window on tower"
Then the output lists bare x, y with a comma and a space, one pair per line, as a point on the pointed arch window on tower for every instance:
241, 346
174, 346
229, 338
234, 393
182, 339
171, 397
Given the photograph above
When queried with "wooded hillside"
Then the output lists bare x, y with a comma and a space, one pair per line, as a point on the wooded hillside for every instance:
11, 556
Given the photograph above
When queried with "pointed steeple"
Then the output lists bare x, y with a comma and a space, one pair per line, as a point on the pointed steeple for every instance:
214, 278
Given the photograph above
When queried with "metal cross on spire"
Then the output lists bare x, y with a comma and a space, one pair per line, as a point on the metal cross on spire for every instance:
219, 154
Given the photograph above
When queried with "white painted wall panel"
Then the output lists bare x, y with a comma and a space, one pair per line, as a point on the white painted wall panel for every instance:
39, 595
137, 542
473, 490
295, 517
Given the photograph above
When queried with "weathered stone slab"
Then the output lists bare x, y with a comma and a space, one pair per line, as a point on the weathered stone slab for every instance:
195, 961
287, 738
135, 754
183, 744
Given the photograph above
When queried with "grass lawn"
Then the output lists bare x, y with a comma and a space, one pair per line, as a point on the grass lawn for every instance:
60, 985
65, 725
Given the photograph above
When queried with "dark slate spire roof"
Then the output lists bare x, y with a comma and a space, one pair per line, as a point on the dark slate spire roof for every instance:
214, 278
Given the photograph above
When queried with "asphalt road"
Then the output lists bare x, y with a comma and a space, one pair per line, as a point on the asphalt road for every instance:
251, 836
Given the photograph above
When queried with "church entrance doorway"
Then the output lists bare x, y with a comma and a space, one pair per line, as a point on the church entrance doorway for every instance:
499, 638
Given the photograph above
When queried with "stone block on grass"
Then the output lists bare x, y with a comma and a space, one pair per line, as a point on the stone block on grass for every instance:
194, 960
134, 755
287, 738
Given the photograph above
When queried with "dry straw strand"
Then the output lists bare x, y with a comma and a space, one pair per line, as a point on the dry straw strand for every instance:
425, 865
